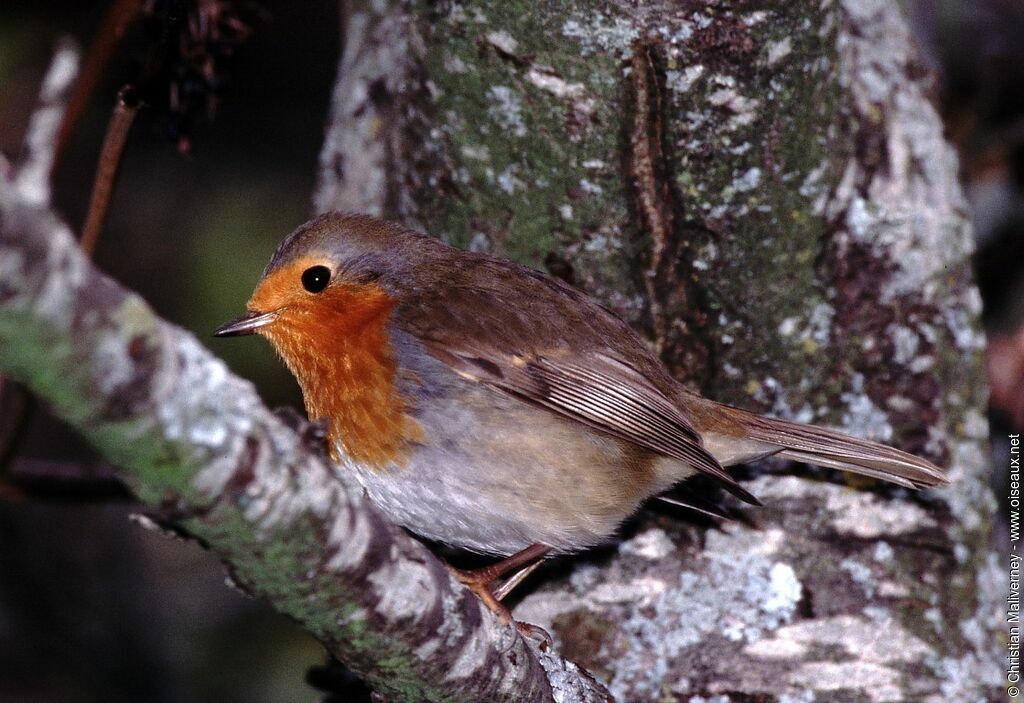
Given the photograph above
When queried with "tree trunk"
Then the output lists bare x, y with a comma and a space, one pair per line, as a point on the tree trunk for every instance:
765, 191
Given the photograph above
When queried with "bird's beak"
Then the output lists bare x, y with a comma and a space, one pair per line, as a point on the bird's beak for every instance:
249, 323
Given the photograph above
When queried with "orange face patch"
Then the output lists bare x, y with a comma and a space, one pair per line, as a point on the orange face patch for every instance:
336, 344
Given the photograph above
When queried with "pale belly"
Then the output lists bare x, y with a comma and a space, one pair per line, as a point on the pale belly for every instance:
495, 474
497, 503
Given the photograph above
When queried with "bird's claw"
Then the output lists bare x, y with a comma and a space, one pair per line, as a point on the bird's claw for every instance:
484, 589
544, 640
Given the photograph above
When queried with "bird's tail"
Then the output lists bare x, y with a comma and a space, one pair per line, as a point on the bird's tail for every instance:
730, 427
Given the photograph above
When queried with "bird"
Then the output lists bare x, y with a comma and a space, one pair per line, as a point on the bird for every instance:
494, 408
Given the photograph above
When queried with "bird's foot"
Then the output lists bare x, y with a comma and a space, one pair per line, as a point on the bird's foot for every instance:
487, 584
487, 589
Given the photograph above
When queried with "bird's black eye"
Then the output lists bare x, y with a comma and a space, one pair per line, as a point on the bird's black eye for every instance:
316, 278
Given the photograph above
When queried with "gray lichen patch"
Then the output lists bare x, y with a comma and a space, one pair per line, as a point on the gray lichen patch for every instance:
352, 536
506, 110
851, 513
471, 658
847, 637
961, 671
565, 681
743, 590
406, 603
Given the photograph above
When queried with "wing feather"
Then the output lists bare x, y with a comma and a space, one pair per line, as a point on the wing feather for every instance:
532, 336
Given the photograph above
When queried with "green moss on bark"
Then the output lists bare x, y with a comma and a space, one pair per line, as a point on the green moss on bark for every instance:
523, 158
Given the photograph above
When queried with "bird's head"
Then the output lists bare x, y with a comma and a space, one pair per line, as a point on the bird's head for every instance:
330, 277
324, 303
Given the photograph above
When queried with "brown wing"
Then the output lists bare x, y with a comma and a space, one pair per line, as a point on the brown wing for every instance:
529, 335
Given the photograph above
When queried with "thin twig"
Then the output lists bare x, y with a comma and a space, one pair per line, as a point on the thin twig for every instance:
15, 410
120, 124
66, 482
110, 32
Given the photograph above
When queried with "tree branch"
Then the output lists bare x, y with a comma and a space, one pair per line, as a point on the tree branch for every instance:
195, 442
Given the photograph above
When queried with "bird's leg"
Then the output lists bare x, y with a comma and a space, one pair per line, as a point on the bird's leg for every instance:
482, 582
510, 584
487, 575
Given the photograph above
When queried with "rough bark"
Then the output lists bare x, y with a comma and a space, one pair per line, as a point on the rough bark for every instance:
195, 443
765, 190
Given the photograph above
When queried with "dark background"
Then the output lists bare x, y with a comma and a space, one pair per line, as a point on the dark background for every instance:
93, 608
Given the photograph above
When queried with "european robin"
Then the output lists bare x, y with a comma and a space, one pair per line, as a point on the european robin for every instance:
494, 408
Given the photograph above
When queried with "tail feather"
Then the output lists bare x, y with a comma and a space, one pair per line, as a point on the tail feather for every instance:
825, 447
696, 504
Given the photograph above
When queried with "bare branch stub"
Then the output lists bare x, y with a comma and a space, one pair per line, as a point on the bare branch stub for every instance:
211, 32
121, 119
15, 409
119, 15
63, 482
35, 479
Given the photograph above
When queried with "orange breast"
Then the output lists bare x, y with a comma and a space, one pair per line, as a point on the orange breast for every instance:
337, 345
